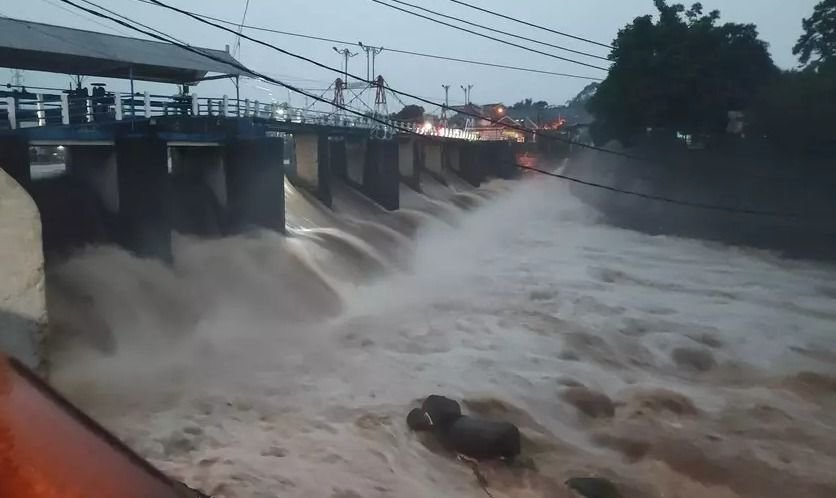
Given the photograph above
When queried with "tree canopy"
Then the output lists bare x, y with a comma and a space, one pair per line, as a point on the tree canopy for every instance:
816, 48
795, 111
528, 104
682, 71
410, 113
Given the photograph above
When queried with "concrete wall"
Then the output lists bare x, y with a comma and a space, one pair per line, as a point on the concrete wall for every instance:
23, 318
355, 158
144, 196
434, 159
199, 190
95, 167
255, 180
411, 161
741, 180
312, 162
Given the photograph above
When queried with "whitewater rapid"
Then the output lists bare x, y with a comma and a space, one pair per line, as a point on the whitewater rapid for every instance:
260, 366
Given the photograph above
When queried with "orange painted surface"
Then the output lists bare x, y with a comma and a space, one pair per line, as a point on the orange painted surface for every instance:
48, 449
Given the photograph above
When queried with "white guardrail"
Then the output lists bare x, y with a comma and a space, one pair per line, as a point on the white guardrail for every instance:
38, 110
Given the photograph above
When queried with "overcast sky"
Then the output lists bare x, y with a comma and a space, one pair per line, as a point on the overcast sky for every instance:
779, 22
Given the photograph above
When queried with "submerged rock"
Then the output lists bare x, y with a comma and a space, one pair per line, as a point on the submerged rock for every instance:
593, 487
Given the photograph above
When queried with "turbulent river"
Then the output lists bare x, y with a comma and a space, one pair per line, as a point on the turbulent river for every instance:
269, 366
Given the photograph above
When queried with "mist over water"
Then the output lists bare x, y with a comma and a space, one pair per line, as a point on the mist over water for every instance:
263, 365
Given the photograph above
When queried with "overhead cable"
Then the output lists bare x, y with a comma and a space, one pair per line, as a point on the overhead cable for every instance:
489, 37
495, 30
395, 50
406, 130
531, 24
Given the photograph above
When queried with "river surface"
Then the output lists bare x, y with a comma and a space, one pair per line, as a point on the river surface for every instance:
265, 366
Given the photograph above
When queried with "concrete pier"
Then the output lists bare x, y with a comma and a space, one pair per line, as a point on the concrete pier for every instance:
199, 190
144, 196
434, 160
313, 165
411, 161
23, 318
255, 183
381, 178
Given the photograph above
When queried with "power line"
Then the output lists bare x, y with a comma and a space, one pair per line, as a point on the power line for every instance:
395, 50
489, 37
241, 29
495, 30
669, 200
76, 14
237, 65
406, 94
375, 119
530, 24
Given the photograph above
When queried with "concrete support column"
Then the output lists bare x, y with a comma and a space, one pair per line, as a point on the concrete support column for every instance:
337, 154
410, 160
381, 178
23, 319
452, 157
14, 159
255, 183
355, 161
313, 165
95, 168
470, 168
200, 198
434, 159
144, 196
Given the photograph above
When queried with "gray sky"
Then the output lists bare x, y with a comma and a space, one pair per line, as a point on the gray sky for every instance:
779, 22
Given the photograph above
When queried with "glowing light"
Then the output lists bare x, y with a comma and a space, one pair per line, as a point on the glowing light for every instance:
427, 128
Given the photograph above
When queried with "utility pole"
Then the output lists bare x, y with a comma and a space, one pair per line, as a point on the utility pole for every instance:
17, 77
446, 104
347, 54
467, 90
371, 55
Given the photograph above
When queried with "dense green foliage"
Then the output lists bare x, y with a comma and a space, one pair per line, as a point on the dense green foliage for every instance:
682, 71
796, 110
409, 113
817, 46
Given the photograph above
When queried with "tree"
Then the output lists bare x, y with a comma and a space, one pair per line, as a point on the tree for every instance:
796, 110
410, 113
816, 48
682, 72
529, 104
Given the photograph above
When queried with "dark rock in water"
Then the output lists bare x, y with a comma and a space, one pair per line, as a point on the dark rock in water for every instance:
591, 403
482, 439
695, 359
442, 411
593, 487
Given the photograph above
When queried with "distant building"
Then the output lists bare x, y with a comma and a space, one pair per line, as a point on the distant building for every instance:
492, 122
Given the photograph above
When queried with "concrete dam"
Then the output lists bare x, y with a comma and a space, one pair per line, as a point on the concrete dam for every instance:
359, 198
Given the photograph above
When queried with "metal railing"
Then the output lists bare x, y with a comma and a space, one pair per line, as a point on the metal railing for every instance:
38, 110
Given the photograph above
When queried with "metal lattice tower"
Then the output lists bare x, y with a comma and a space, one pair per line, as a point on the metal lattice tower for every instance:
446, 104
381, 109
339, 97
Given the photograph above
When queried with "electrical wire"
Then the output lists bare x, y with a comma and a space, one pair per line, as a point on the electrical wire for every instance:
395, 50
236, 65
669, 200
406, 94
495, 30
532, 25
76, 14
237, 50
407, 131
489, 37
